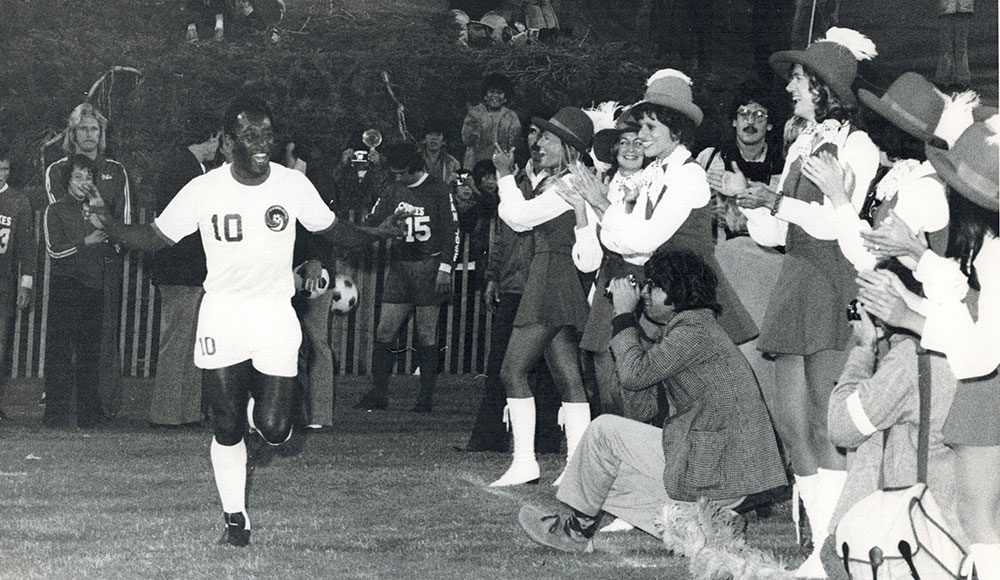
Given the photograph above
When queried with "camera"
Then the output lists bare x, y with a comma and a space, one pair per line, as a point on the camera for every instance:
852, 311
631, 280
360, 156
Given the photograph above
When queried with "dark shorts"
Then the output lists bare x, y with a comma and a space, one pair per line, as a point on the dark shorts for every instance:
413, 283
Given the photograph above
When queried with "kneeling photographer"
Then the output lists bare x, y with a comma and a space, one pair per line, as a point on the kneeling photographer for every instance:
718, 442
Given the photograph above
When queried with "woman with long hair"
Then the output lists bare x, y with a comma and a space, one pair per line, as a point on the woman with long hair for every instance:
960, 318
805, 327
553, 306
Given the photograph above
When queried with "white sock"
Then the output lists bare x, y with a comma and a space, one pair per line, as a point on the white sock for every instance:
229, 463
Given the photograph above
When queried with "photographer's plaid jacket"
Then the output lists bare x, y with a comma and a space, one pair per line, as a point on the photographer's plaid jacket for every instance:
718, 441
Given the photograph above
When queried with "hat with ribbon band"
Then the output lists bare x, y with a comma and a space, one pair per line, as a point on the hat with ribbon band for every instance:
972, 164
571, 125
911, 103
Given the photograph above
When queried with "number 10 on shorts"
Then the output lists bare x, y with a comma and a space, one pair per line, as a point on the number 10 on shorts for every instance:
207, 345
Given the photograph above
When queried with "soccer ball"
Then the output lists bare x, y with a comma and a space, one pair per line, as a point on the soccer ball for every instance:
345, 294
321, 287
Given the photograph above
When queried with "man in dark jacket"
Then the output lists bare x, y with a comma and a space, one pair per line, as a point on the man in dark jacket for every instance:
178, 272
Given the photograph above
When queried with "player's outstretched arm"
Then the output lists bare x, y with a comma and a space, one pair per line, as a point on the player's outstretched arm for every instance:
350, 235
141, 237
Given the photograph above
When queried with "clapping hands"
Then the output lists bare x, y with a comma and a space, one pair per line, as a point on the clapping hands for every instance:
832, 178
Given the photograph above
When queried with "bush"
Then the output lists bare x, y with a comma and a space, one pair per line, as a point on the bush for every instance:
323, 78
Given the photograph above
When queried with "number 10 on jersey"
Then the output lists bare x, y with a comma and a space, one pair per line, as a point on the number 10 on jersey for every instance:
228, 227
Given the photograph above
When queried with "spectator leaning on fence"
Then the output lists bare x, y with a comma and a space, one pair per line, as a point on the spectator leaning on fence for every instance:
86, 134
17, 255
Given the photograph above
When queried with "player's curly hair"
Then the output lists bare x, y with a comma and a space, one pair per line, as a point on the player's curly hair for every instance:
251, 104
684, 276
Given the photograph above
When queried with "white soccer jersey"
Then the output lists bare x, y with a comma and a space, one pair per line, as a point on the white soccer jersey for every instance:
248, 231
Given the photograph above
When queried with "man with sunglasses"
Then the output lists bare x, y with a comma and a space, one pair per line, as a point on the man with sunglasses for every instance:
718, 443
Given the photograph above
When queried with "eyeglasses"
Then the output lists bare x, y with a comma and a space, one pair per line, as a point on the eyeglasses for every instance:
754, 114
646, 286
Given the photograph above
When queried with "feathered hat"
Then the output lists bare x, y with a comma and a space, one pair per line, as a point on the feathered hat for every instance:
833, 59
609, 127
960, 110
972, 165
911, 103
670, 88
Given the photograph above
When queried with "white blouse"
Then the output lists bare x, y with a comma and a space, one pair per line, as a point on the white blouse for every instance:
855, 151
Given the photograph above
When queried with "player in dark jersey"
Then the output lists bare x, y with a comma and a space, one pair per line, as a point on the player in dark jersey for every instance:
420, 270
17, 253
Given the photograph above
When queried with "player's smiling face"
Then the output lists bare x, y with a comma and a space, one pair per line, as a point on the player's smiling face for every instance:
252, 141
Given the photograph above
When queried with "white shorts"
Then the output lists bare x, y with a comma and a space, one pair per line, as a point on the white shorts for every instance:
232, 330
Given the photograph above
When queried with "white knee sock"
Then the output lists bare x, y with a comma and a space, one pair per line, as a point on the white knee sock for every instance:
229, 463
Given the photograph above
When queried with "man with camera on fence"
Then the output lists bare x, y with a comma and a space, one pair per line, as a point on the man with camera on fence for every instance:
718, 442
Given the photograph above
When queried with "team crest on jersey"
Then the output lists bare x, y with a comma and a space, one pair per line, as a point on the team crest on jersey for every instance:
276, 218
107, 177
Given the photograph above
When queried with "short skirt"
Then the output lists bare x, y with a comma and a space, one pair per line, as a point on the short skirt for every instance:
807, 312
553, 295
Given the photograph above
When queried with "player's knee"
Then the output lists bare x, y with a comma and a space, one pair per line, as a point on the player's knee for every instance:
228, 426
276, 430
228, 434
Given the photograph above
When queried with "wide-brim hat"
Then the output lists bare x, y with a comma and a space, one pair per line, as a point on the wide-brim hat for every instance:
833, 59
671, 89
911, 103
571, 125
971, 166
604, 141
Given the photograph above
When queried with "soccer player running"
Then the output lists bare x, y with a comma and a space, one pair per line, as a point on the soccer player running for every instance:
248, 336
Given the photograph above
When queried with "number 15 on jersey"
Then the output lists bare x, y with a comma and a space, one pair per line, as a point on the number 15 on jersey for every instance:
418, 228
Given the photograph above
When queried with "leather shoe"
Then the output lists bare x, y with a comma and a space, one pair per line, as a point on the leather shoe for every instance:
555, 531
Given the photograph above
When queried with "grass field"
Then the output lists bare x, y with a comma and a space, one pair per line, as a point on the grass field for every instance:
384, 494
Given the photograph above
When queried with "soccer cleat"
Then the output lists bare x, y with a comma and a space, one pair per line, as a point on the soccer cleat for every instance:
192, 33
373, 401
237, 532
566, 534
